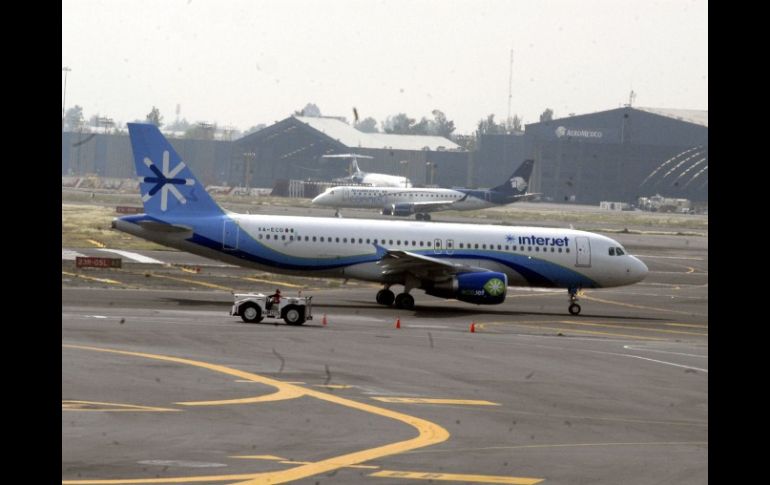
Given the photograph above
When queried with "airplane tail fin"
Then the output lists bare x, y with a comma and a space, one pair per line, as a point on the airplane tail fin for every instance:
167, 185
518, 182
354, 165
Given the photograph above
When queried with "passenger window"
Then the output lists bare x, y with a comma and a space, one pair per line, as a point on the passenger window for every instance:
390, 242
344, 239
612, 251
422, 243
537, 248
559, 249
322, 239
283, 238
291, 238
476, 246
367, 240
506, 247
567, 249
499, 247
360, 240
428, 243
461, 245
414, 243
313, 238
336, 239
529, 248
553, 250
260, 236
483, 246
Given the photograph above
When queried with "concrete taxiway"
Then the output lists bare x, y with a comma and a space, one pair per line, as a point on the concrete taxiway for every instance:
161, 385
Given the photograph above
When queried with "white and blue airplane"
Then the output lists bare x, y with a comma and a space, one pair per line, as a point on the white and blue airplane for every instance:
369, 178
467, 262
420, 201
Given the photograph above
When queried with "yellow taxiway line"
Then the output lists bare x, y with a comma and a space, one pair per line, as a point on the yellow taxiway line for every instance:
428, 433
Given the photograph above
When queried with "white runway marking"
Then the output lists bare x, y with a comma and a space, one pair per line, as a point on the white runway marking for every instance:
668, 257
664, 362
644, 349
70, 255
133, 256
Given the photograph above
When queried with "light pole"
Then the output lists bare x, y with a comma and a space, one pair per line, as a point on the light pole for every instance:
65, 70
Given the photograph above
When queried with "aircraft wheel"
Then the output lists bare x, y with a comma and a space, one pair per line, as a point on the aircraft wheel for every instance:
405, 301
385, 297
419, 217
250, 313
574, 309
426, 217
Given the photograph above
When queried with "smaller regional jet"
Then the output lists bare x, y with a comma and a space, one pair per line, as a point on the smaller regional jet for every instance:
420, 201
368, 178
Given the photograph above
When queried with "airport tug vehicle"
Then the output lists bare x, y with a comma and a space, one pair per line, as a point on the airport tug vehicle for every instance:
254, 307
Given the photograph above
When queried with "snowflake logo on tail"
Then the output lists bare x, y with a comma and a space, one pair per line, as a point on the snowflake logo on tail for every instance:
165, 181
495, 287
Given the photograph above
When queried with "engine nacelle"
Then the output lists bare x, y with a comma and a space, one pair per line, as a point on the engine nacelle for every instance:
482, 288
403, 210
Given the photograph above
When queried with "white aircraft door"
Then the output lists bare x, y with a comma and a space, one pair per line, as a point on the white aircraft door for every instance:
345, 194
437, 246
230, 235
583, 251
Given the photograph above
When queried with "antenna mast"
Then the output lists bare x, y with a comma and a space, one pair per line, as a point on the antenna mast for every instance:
510, 84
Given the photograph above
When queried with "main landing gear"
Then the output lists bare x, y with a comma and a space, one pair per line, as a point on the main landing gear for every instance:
422, 217
574, 307
337, 213
403, 301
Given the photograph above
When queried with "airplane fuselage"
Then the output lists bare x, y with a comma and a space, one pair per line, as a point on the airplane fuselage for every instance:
379, 197
529, 256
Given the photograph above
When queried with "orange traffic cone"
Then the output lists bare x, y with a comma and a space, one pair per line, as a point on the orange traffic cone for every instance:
398, 322
473, 327
324, 320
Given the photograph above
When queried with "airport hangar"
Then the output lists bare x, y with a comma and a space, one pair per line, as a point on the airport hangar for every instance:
615, 155
293, 149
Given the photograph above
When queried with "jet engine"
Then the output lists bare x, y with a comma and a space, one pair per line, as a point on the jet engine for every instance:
402, 210
482, 288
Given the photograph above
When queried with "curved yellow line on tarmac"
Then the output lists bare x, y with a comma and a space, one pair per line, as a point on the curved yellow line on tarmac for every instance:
280, 395
428, 433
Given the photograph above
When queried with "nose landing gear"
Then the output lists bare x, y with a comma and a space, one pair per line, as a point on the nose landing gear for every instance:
574, 307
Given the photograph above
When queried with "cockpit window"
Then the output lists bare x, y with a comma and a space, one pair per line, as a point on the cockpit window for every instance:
619, 252
612, 251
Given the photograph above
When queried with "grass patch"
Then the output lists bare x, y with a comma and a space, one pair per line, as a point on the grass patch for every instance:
81, 222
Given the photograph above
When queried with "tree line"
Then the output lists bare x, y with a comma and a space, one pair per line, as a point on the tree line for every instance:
402, 124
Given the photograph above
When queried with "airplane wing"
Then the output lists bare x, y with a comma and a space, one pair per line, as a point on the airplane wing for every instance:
431, 206
525, 196
421, 266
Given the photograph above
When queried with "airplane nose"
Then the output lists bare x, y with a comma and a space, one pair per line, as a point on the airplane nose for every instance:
638, 270
317, 200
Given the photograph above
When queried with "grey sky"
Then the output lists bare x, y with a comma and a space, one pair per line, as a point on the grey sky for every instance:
248, 62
